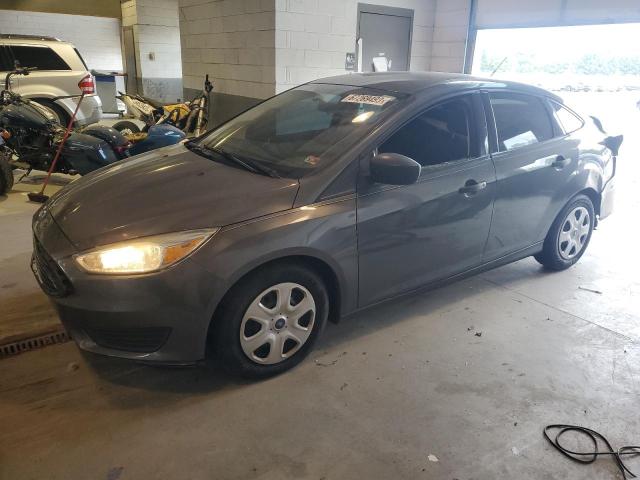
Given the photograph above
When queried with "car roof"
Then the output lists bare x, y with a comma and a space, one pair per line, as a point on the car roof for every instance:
413, 82
30, 40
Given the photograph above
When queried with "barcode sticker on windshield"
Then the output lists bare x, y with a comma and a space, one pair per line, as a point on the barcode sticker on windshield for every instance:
368, 99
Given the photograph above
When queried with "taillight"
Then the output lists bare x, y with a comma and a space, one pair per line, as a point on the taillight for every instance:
122, 149
86, 85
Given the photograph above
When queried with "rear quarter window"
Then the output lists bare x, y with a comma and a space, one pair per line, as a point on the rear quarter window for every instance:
38, 56
569, 122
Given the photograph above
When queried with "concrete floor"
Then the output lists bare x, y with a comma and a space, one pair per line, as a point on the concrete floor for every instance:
384, 389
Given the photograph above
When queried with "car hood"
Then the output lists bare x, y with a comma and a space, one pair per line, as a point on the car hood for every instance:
169, 190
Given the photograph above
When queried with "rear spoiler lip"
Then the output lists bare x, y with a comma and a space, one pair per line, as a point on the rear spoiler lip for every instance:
613, 143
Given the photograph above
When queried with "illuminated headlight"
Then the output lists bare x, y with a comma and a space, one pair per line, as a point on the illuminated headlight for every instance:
143, 255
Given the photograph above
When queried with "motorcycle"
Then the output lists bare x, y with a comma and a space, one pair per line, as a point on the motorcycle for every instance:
6, 172
34, 136
190, 117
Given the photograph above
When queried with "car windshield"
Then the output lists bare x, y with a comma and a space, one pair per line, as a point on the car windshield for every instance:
298, 131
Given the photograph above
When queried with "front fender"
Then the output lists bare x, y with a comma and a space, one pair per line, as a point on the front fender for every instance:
324, 232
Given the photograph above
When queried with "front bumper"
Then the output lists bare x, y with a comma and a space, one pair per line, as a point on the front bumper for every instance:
90, 109
161, 317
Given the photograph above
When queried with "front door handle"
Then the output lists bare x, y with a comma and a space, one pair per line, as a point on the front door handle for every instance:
560, 162
471, 187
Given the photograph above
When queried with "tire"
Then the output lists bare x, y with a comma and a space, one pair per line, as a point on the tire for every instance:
62, 116
576, 229
126, 127
6, 176
236, 335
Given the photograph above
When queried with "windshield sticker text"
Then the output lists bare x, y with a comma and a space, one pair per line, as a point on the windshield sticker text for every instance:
379, 100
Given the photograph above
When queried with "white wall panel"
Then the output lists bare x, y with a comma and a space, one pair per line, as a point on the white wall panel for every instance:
96, 38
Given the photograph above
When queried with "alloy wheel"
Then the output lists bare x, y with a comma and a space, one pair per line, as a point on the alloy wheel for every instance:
574, 233
277, 323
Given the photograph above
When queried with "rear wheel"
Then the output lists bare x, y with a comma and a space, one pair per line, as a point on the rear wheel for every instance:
126, 127
270, 321
569, 235
6, 175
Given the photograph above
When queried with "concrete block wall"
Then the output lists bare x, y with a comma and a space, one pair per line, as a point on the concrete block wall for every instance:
96, 38
253, 49
231, 40
157, 44
313, 36
450, 35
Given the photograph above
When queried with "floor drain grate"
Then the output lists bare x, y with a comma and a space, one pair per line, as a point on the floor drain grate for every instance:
22, 346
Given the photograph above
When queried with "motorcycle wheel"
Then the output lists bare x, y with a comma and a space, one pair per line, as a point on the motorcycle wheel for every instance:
6, 176
126, 127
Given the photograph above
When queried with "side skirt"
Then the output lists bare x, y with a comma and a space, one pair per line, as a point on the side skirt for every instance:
499, 262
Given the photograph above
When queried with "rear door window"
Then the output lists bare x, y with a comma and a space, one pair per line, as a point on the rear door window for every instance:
441, 134
38, 56
521, 120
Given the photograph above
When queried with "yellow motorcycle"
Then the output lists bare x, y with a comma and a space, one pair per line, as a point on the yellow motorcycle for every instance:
190, 117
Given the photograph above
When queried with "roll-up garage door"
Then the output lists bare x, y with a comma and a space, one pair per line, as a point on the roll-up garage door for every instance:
549, 13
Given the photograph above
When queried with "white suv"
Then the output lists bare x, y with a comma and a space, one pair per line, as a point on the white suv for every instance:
57, 81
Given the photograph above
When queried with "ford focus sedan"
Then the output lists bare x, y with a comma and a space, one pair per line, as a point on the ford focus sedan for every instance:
317, 203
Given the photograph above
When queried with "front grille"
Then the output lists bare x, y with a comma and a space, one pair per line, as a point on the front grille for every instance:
142, 340
48, 273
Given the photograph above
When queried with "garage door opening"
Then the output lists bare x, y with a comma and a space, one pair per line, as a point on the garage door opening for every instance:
590, 65
578, 58
595, 69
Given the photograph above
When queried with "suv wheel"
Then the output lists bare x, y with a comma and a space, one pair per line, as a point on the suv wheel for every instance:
62, 117
569, 235
271, 320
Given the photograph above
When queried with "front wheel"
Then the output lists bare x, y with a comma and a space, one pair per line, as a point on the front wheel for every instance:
126, 127
569, 235
270, 321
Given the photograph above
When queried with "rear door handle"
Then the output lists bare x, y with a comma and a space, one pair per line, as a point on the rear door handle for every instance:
560, 162
471, 187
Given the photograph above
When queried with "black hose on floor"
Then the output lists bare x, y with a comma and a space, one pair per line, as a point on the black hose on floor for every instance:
590, 457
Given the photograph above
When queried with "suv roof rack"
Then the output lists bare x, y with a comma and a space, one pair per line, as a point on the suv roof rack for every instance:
28, 37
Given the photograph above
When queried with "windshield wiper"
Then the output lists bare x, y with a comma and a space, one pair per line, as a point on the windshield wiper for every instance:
250, 166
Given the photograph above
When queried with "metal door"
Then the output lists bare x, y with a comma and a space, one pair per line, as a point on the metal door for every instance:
384, 33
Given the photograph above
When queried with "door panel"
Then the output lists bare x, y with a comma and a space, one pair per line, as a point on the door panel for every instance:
531, 183
531, 191
385, 36
412, 235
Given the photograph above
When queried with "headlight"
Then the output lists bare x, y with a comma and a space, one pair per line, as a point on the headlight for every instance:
143, 255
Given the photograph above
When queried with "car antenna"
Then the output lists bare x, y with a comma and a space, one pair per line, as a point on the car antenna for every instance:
498, 67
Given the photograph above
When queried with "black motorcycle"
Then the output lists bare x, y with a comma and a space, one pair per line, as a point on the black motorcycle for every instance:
34, 136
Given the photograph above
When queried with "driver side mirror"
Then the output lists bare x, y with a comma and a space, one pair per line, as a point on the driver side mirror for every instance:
394, 169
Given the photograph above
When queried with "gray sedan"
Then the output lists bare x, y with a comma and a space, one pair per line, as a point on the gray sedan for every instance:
317, 203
